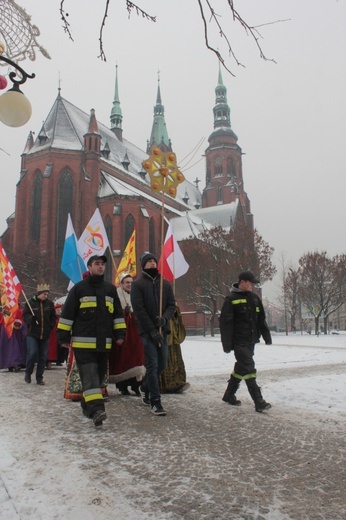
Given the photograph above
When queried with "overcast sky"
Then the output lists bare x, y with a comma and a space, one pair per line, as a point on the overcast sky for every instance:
290, 117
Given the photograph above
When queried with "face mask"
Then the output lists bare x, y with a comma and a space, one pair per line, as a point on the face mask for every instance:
151, 272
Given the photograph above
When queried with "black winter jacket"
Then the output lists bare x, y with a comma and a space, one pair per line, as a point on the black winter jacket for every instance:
43, 322
242, 320
145, 299
92, 314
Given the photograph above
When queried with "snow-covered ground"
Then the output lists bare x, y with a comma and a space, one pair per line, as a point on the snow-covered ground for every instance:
40, 479
303, 389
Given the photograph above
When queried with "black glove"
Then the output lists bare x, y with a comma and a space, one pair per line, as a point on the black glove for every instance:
157, 337
226, 349
161, 321
127, 310
34, 320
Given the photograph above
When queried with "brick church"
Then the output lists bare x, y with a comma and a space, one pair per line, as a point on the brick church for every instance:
76, 164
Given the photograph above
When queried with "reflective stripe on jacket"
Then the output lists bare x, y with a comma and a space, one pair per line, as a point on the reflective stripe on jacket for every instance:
92, 315
242, 320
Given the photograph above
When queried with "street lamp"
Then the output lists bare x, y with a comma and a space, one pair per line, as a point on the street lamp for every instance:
15, 108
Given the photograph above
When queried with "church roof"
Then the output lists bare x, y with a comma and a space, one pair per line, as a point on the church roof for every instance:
197, 221
159, 133
64, 129
110, 185
221, 131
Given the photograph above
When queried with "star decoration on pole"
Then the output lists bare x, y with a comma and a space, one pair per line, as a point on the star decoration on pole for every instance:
163, 171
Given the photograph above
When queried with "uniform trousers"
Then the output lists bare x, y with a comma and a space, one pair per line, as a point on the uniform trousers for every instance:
92, 368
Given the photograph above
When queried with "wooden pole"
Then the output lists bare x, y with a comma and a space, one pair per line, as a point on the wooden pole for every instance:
162, 239
113, 261
28, 304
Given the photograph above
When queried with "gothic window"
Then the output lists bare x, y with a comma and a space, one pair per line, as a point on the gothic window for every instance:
36, 207
219, 195
129, 227
218, 166
152, 236
64, 206
109, 232
230, 167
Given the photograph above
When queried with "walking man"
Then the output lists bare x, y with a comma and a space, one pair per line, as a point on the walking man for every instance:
242, 323
153, 326
39, 315
92, 315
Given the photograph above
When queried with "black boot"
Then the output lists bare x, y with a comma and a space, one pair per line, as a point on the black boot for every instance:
255, 392
229, 396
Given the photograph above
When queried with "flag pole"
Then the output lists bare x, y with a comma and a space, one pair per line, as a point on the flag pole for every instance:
28, 304
165, 177
173, 262
113, 261
162, 239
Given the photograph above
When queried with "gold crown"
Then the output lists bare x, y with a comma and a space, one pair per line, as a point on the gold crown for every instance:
43, 287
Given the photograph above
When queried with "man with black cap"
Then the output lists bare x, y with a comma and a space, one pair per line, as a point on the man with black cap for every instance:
92, 315
153, 305
39, 315
242, 323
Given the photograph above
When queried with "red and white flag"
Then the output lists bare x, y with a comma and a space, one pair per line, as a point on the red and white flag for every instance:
10, 291
172, 264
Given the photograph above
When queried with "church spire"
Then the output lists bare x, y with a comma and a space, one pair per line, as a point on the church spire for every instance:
159, 134
222, 112
116, 113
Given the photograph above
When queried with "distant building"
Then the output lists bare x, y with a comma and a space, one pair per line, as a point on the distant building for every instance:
76, 164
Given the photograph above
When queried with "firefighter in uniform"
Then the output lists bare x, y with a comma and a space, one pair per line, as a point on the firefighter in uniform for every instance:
91, 316
242, 323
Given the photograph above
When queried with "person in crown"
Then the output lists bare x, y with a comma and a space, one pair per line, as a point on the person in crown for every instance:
39, 316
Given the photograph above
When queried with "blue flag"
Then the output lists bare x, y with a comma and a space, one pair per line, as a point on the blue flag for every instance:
71, 263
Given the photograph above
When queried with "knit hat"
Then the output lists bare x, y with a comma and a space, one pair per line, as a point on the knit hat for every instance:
145, 257
248, 276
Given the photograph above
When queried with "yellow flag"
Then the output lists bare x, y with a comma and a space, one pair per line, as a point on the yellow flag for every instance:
128, 262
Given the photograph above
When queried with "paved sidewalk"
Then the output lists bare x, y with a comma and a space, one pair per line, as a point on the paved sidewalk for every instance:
204, 460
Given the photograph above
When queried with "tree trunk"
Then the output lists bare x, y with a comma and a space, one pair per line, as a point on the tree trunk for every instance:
317, 324
212, 325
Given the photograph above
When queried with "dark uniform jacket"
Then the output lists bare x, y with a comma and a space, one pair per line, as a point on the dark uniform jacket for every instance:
242, 320
92, 314
43, 322
145, 299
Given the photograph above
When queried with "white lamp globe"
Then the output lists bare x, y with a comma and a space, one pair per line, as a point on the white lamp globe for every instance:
15, 108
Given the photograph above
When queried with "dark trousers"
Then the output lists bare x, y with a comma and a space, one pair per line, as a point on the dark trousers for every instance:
155, 363
92, 368
37, 352
244, 367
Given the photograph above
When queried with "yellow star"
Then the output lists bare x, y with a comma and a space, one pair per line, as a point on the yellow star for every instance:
163, 171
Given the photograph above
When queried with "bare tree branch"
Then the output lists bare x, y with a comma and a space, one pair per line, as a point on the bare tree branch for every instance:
66, 25
215, 51
102, 54
205, 6
131, 5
